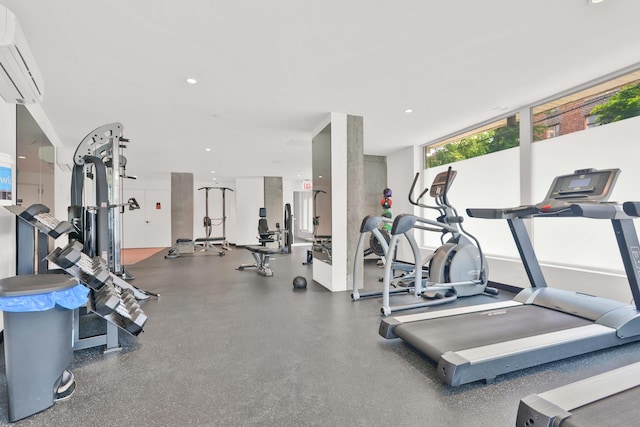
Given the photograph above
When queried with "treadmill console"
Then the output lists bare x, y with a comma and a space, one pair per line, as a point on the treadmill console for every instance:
584, 185
585, 188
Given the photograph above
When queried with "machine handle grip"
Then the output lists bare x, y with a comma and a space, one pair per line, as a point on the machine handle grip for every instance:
593, 210
487, 213
631, 208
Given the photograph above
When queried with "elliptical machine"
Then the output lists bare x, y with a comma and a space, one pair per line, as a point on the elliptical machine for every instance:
455, 269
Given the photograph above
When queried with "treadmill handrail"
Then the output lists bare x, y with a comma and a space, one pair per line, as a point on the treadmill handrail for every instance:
502, 213
594, 210
405, 222
599, 210
631, 208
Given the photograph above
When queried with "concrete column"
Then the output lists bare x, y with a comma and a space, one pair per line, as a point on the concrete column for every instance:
181, 206
355, 190
273, 200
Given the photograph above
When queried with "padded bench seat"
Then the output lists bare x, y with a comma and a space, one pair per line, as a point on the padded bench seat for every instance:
188, 246
261, 255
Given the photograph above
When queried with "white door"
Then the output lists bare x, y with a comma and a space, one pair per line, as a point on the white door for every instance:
149, 226
158, 221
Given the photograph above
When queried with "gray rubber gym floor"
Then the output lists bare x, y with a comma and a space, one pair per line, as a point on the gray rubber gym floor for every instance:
232, 348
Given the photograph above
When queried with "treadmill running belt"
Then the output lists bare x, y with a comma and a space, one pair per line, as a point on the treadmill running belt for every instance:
435, 337
618, 410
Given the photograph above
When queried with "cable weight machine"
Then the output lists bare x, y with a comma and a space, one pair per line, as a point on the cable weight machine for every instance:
207, 222
98, 227
186, 246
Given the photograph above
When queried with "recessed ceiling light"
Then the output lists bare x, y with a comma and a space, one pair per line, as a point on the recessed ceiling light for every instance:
213, 171
408, 111
594, 1
320, 176
207, 149
191, 81
22, 157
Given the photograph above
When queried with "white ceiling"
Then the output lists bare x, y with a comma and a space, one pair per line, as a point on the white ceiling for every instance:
270, 72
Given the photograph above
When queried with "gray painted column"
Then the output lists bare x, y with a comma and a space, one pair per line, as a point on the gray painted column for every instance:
375, 181
181, 206
273, 200
355, 189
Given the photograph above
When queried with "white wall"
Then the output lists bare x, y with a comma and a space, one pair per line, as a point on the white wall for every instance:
490, 181
611, 146
339, 159
249, 198
288, 187
401, 169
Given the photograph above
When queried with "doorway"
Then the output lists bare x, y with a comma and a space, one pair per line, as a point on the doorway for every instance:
149, 226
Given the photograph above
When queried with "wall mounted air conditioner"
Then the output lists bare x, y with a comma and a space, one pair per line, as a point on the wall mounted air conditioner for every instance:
20, 79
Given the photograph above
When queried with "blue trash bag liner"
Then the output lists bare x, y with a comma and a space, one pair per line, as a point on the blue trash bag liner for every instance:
71, 298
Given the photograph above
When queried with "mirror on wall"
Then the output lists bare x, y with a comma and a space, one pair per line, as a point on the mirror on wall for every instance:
321, 165
35, 161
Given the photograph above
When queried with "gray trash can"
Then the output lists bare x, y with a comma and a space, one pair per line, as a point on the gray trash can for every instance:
38, 338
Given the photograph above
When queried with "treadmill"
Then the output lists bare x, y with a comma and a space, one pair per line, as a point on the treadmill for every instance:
608, 399
540, 324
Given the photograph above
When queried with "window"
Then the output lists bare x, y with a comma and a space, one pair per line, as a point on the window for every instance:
553, 131
591, 121
608, 101
611, 101
495, 136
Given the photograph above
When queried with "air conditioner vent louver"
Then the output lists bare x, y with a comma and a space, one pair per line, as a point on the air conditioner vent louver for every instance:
31, 75
20, 79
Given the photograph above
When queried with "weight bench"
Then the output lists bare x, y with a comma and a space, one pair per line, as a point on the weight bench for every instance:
188, 246
261, 252
261, 255
207, 243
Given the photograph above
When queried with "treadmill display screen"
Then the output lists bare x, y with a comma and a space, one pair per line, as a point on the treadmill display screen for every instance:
591, 185
583, 182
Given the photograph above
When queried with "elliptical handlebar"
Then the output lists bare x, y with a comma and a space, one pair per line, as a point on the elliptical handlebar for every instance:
413, 186
416, 202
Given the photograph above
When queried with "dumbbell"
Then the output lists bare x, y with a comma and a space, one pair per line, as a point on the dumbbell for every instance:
33, 210
129, 300
56, 227
105, 300
67, 257
95, 282
92, 265
136, 322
